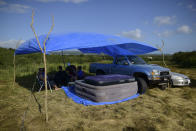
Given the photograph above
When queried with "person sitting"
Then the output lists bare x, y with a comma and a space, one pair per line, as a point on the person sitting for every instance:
41, 74
41, 78
80, 73
71, 70
61, 78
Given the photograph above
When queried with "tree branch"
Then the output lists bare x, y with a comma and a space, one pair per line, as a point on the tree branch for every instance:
34, 31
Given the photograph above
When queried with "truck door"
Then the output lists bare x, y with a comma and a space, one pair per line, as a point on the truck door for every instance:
120, 66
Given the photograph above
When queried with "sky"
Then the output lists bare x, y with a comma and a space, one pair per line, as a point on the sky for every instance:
150, 21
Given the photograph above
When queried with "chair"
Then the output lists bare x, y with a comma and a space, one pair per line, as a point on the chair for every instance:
40, 80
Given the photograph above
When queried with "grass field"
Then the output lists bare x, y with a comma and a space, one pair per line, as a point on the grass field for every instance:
173, 109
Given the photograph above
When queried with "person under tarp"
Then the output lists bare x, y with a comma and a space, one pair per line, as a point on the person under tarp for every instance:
80, 73
71, 71
61, 78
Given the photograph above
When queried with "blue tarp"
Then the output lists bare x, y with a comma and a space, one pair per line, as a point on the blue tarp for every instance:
87, 43
71, 94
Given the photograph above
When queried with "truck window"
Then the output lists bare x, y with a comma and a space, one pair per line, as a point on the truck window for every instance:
136, 60
121, 61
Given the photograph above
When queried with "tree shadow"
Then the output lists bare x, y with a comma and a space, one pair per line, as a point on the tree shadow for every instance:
30, 81
26, 81
39, 105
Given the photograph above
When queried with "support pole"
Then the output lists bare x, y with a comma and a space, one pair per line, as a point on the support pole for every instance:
46, 86
163, 54
63, 59
14, 70
44, 59
14, 63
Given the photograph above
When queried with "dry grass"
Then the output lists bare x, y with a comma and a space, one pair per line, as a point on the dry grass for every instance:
173, 109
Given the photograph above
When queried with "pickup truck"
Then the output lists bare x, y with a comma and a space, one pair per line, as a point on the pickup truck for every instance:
145, 74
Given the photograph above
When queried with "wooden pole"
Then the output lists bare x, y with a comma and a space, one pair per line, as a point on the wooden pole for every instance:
63, 59
14, 70
163, 54
14, 61
44, 60
46, 86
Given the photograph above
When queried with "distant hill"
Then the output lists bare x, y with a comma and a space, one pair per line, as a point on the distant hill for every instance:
69, 52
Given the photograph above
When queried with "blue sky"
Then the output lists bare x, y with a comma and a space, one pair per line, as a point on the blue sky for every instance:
151, 21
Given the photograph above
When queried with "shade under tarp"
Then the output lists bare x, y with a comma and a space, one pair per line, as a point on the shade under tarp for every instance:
87, 43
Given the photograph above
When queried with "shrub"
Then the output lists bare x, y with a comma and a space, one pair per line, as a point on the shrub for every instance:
185, 59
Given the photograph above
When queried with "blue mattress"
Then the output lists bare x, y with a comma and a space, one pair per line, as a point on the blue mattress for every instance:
69, 91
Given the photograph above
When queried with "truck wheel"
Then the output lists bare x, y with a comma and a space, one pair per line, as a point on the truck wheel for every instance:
100, 72
142, 85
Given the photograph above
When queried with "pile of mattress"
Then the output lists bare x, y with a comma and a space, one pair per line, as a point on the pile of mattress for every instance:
106, 88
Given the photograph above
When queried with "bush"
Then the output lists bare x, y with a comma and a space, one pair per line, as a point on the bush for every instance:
6, 58
185, 59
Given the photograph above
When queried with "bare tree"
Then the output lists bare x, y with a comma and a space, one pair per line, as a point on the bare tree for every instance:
43, 50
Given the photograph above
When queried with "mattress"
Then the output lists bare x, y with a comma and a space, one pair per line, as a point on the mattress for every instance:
102, 80
105, 93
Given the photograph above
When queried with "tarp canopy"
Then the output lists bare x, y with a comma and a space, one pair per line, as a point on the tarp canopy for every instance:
87, 43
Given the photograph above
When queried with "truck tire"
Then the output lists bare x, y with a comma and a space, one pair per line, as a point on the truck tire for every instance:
100, 72
142, 85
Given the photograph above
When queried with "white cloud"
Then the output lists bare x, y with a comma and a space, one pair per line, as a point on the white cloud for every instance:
11, 43
165, 33
15, 8
135, 34
65, 1
2, 2
185, 29
191, 7
164, 20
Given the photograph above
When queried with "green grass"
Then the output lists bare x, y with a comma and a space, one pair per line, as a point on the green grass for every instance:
173, 109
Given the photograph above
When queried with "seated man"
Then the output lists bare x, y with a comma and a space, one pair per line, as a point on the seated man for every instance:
61, 77
71, 70
41, 74
80, 73
41, 78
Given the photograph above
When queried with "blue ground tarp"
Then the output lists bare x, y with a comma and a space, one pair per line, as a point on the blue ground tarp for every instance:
87, 43
69, 91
